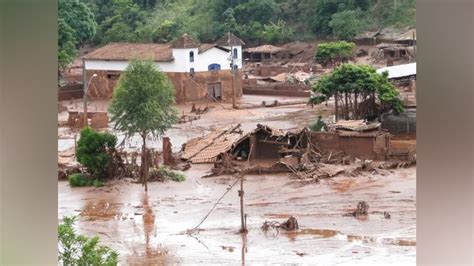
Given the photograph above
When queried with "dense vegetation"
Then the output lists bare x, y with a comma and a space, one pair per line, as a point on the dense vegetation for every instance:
75, 249
96, 151
255, 21
360, 92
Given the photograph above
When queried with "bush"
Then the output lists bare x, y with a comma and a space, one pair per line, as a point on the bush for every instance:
76, 249
94, 151
81, 180
164, 173
334, 52
319, 125
172, 175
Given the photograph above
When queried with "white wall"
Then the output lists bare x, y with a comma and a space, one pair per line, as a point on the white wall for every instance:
181, 61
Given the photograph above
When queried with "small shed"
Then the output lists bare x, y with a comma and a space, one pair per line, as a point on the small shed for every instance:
263, 52
395, 50
408, 38
354, 137
399, 71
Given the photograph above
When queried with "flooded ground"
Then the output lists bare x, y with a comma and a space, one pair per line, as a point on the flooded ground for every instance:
219, 115
150, 228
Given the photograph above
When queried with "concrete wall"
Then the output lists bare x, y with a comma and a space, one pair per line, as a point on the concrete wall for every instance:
187, 88
361, 147
402, 124
267, 71
71, 91
278, 90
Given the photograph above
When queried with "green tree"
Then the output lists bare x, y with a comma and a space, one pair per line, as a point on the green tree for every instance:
276, 32
79, 17
77, 249
96, 151
123, 17
256, 10
334, 52
359, 90
67, 50
321, 12
142, 104
346, 25
229, 23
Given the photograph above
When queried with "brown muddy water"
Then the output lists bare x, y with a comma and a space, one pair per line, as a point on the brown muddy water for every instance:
149, 228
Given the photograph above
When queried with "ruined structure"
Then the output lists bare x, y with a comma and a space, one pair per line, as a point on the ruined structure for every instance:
197, 71
261, 53
270, 146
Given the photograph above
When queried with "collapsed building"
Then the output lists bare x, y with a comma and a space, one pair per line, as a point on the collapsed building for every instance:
197, 71
267, 145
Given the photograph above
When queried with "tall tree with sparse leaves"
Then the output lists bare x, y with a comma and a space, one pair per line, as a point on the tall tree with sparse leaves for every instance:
142, 104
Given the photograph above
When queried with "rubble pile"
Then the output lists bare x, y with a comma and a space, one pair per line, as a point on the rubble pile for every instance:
308, 155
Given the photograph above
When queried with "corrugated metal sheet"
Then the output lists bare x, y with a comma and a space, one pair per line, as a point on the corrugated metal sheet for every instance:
399, 71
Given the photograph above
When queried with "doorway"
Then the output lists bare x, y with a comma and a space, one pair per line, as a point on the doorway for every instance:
214, 91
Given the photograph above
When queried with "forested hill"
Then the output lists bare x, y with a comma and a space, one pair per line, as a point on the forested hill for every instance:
255, 21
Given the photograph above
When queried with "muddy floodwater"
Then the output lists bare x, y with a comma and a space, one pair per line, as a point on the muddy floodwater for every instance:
149, 228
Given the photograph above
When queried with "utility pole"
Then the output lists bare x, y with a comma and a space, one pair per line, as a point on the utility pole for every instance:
86, 88
414, 46
233, 68
243, 228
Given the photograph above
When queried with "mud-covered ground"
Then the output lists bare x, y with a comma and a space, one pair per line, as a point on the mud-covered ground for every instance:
150, 228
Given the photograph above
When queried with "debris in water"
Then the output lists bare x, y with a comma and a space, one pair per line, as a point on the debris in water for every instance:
362, 210
301, 254
230, 249
290, 224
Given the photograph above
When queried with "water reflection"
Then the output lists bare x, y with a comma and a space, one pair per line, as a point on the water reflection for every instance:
244, 246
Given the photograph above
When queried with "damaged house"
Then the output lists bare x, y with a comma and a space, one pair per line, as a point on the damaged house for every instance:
197, 71
269, 146
261, 53
354, 138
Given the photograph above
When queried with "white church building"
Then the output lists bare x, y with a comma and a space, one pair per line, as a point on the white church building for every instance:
197, 71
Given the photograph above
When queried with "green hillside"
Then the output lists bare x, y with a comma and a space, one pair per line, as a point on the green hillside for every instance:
255, 21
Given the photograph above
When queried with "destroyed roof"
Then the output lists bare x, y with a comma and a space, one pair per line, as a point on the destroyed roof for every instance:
128, 51
207, 46
229, 39
353, 125
272, 131
206, 149
386, 45
407, 36
367, 34
368, 134
267, 48
184, 42
279, 78
399, 71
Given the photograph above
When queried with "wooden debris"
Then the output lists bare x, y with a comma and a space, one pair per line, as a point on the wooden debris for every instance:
362, 210
290, 225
